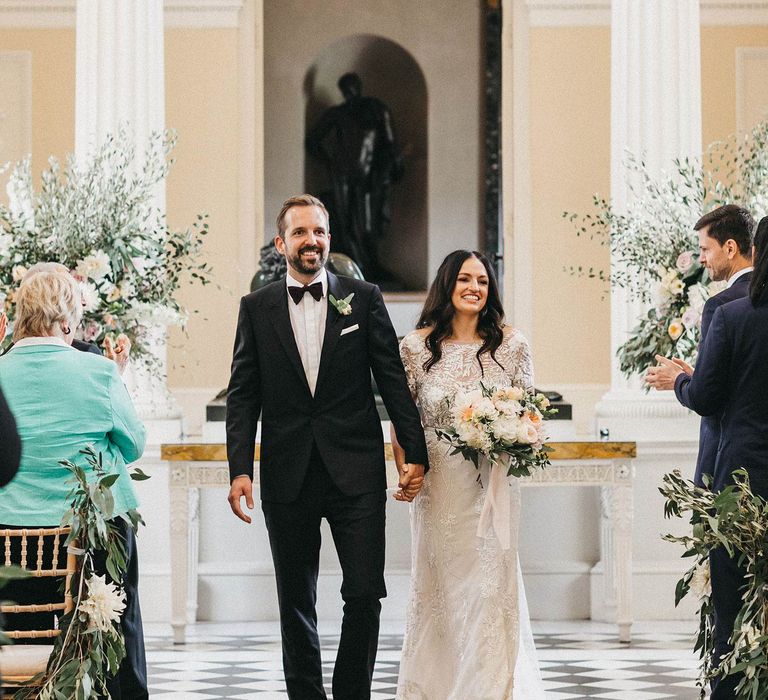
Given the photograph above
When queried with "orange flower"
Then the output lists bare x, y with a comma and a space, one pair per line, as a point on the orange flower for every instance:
467, 414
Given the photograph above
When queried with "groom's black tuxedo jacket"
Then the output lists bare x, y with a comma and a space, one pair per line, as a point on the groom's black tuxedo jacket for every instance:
268, 380
709, 431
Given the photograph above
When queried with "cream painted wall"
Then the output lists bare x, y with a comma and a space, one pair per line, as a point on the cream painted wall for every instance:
718, 75
202, 105
53, 89
570, 161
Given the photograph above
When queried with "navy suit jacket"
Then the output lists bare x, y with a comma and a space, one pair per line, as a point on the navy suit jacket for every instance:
709, 430
731, 382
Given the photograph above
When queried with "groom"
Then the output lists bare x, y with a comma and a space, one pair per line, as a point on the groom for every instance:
304, 351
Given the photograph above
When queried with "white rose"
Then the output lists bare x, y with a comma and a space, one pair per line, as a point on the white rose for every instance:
127, 290
18, 272
95, 266
509, 408
90, 294
473, 436
527, 432
506, 428
484, 408
661, 297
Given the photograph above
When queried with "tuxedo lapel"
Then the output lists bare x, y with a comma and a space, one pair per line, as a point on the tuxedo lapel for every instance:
334, 322
281, 321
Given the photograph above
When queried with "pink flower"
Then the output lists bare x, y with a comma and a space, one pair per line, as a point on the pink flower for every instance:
684, 261
91, 331
691, 318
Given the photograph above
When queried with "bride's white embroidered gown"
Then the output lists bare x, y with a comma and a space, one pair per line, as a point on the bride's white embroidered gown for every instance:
467, 634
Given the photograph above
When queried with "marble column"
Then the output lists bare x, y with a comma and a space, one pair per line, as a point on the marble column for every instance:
120, 84
656, 114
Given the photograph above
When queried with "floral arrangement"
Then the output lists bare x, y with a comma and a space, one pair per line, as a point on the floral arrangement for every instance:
499, 424
736, 519
655, 247
90, 645
98, 219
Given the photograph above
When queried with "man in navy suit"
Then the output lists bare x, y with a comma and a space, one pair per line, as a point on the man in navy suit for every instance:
725, 246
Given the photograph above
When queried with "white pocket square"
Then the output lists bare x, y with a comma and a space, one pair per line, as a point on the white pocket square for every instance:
349, 329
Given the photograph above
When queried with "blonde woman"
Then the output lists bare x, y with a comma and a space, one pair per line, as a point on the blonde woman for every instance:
63, 400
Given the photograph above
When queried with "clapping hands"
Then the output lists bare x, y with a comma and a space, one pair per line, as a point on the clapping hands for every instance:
119, 351
663, 375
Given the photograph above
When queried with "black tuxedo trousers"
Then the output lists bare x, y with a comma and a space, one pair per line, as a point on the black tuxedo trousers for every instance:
357, 526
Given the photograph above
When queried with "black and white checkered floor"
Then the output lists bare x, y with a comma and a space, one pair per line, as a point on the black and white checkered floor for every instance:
577, 660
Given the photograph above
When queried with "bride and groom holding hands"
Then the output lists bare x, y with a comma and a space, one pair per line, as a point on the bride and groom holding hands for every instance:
304, 351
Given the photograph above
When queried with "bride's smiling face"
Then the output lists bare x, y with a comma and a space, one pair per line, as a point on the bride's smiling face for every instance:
470, 293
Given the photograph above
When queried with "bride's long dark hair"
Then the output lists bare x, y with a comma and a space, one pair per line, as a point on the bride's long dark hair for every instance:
438, 310
758, 286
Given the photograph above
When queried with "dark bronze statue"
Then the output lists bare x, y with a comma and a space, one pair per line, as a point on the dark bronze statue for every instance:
356, 143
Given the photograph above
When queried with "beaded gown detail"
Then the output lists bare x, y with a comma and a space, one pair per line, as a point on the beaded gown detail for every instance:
467, 631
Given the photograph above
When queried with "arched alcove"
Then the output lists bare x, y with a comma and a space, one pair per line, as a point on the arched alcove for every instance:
391, 74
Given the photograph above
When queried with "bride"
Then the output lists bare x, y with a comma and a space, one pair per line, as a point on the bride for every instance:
467, 634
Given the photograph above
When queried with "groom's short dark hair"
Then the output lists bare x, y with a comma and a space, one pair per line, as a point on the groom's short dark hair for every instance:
729, 222
299, 200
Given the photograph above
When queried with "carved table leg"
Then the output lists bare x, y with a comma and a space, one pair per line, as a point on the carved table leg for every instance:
179, 518
622, 515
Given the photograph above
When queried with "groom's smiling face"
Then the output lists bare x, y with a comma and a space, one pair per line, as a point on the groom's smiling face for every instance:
306, 241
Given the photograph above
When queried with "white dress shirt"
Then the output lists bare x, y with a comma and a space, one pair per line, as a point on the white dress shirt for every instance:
308, 324
736, 276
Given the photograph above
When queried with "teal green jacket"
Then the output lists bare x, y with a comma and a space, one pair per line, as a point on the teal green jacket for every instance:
63, 400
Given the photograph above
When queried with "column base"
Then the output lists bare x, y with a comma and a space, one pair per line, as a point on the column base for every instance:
632, 414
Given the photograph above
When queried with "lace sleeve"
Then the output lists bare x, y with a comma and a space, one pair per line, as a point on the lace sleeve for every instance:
521, 366
409, 354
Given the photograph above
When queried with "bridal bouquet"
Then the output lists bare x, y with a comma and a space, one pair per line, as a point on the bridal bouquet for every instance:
504, 424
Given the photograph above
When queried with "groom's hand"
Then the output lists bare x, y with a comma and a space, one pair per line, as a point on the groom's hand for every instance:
241, 486
411, 481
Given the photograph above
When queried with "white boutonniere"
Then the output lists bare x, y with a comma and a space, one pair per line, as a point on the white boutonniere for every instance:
342, 305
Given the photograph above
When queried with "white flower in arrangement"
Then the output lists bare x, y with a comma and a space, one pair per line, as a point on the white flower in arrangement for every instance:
506, 428
90, 294
104, 604
111, 292
95, 266
18, 272
20, 202
701, 584
675, 328
697, 297
474, 436
141, 265
5, 244
484, 409
527, 433
127, 290
691, 318
676, 287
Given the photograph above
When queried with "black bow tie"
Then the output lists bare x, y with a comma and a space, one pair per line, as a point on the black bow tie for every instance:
315, 289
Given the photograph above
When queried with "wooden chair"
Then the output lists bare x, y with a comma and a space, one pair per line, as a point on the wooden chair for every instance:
20, 662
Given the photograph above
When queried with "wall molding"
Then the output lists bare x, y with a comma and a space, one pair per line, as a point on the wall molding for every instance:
59, 14
576, 13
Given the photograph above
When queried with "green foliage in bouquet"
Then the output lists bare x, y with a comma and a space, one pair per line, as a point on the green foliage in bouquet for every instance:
90, 646
498, 424
654, 248
737, 520
99, 219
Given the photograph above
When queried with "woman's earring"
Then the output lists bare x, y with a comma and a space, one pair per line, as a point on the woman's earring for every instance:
66, 330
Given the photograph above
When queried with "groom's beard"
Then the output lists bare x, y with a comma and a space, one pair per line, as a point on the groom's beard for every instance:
305, 267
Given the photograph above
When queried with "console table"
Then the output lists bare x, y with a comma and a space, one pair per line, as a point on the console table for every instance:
604, 464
